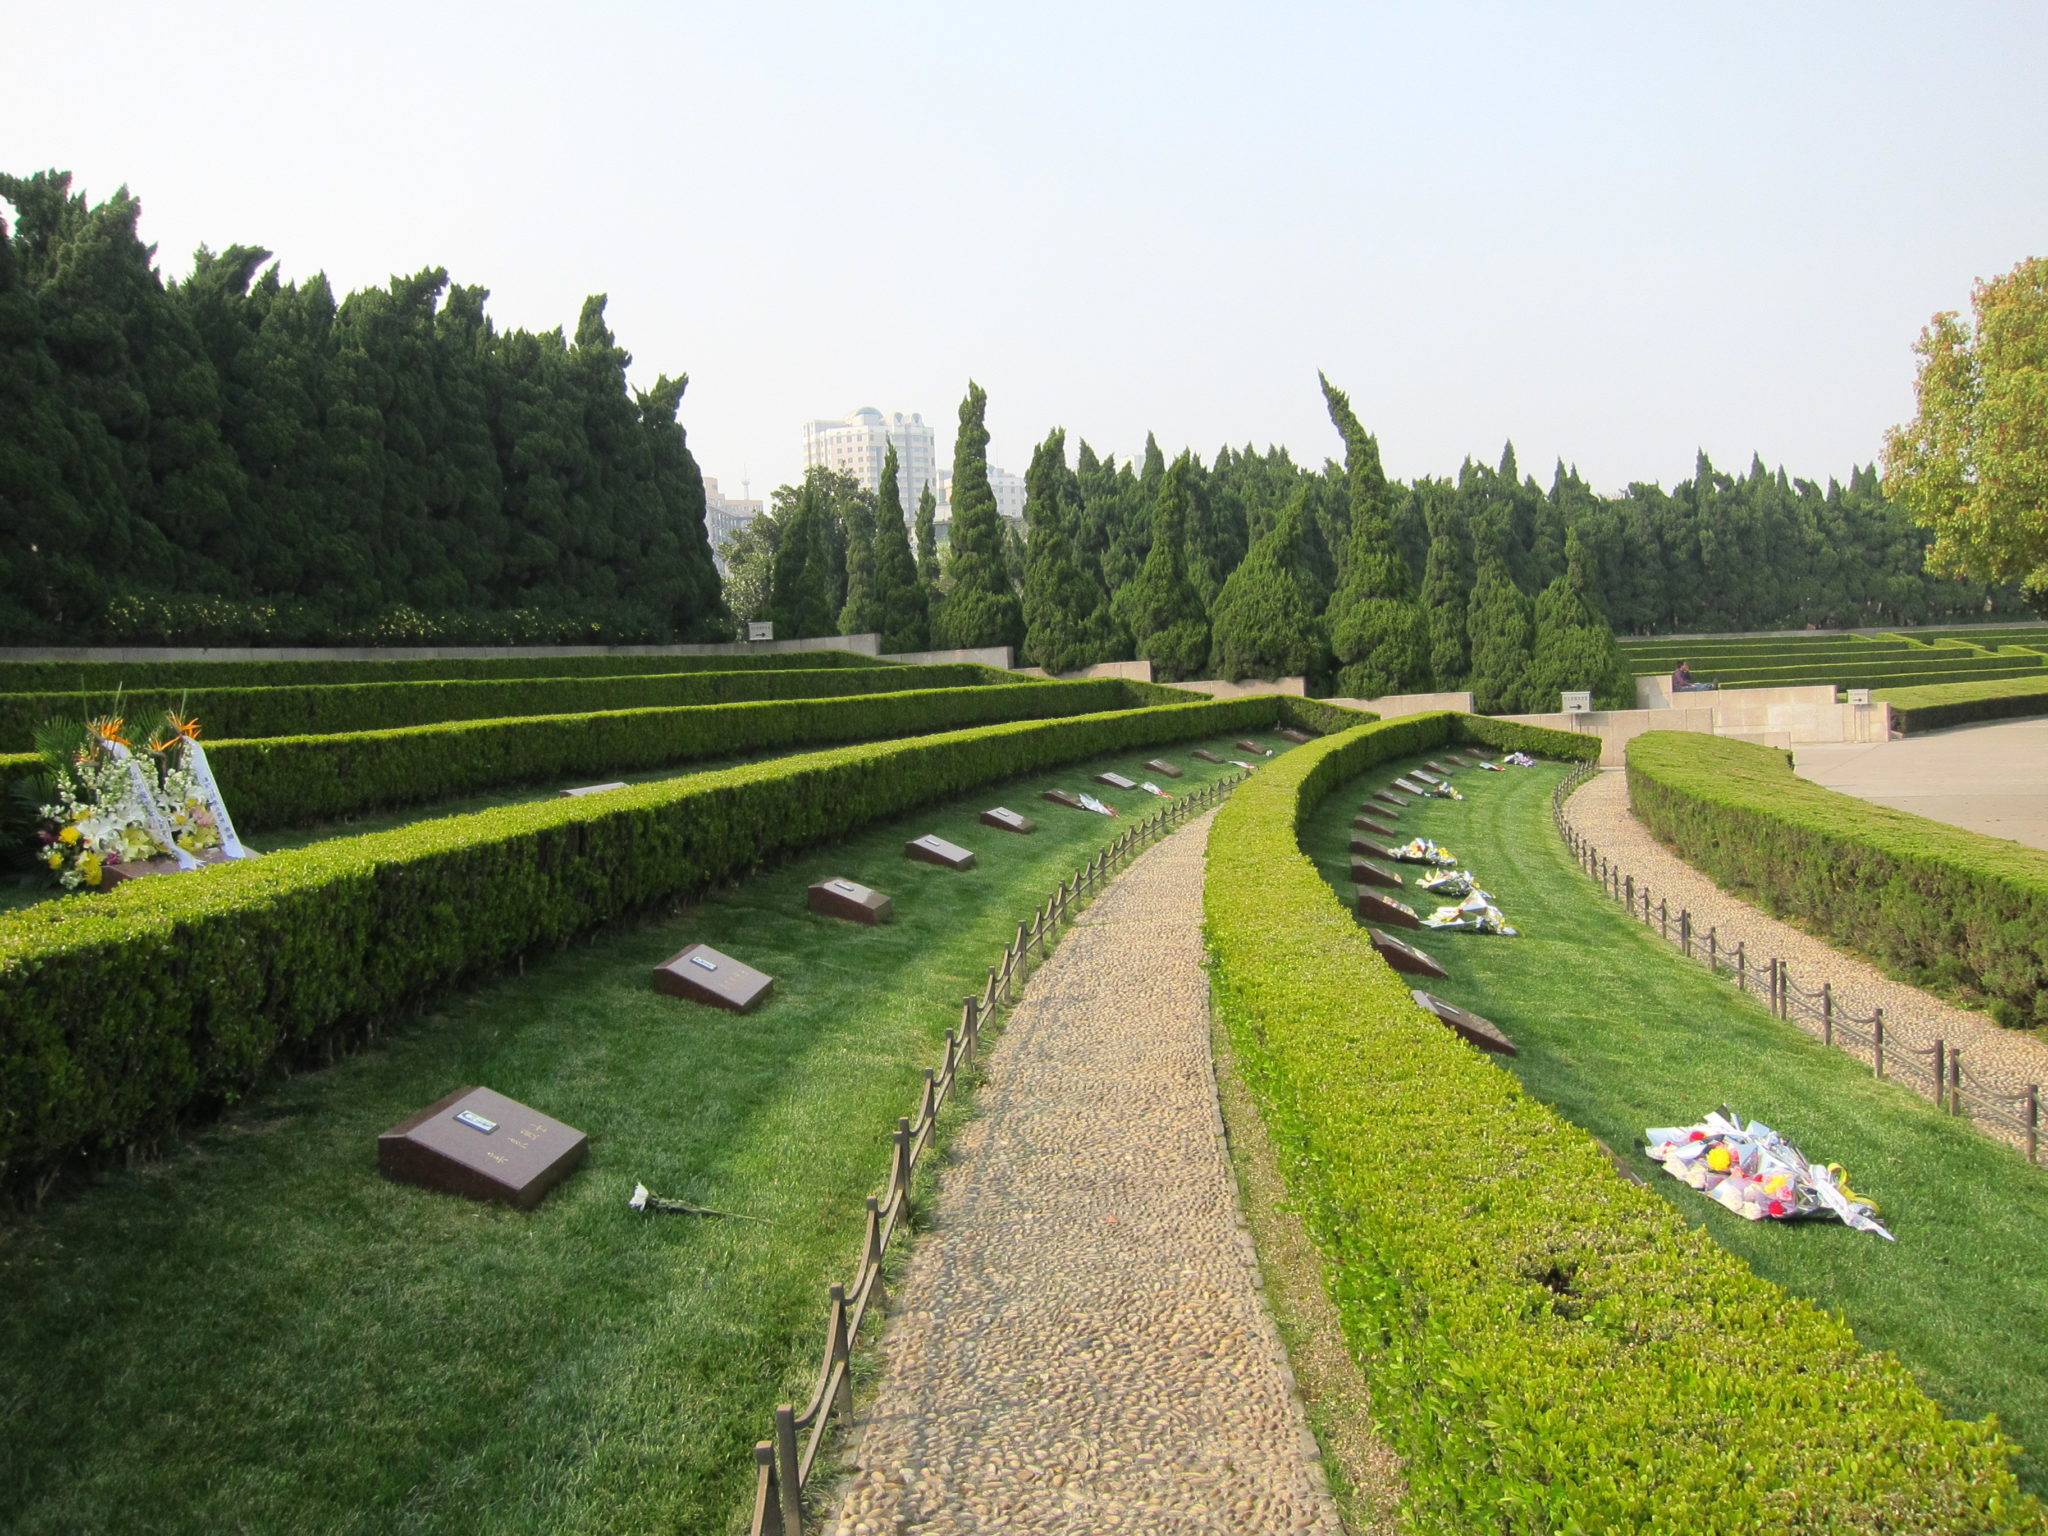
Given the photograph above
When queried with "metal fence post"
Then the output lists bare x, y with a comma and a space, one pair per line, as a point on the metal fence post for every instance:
2033, 1119
788, 1483
1663, 919
1877, 1055
1685, 932
1742, 965
1827, 1012
1940, 1067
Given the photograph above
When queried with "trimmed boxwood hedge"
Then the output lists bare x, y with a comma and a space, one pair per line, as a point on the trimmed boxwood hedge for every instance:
1929, 707
321, 709
1552, 1349
70, 676
1931, 901
122, 1012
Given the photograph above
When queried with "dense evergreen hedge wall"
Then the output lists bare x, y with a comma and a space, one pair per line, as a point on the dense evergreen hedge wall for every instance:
105, 676
122, 1012
1552, 1349
321, 709
1929, 707
1932, 901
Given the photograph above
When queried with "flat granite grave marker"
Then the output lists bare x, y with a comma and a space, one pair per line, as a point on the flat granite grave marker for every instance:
1064, 797
1436, 766
1389, 796
1483, 1033
1427, 778
1207, 756
1002, 816
931, 849
484, 1146
1371, 849
1457, 761
590, 789
1116, 781
1408, 785
1253, 746
1403, 956
1299, 738
1380, 809
1364, 823
854, 902
1365, 872
1161, 765
135, 869
1384, 909
703, 975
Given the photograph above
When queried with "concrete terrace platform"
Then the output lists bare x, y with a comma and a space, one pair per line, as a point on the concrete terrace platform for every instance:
1989, 778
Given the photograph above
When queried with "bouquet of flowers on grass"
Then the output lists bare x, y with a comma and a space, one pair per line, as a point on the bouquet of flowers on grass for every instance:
1441, 790
1756, 1173
1493, 767
1475, 914
1153, 789
1451, 882
1520, 760
1095, 805
1423, 851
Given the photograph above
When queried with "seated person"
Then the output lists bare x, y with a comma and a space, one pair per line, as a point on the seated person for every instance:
1682, 680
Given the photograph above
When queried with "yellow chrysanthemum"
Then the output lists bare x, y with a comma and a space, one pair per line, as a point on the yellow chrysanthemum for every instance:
54, 859
69, 835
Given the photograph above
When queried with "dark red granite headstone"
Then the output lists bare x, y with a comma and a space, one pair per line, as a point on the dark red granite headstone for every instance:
703, 975
1064, 797
1253, 746
1384, 909
1002, 816
1403, 956
1116, 781
1366, 872
1408, 785
1299, 738
1389, 796
483, 1145
1161, 765
1436, 766
1483, 1033
854, 902
1364, 823
1372, 849
936, 850
1426, 778
1207, 756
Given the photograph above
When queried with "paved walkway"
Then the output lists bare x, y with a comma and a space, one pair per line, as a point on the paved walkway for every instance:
1912, 1018
1990, 778
1080, 1344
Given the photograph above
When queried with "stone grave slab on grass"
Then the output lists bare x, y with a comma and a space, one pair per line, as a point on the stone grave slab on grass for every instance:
136, 869
1064, 797
1436, 766
484, 1146
1456, 761
1403, 956
1161, 765
1299, 738
1375, 908
1483, 1033
1364, 823
1373, 850
848, 899
1426, 778
1389, 796
1207, 756
1366, 872
1002, 816
1253, 746
590, 789
704, 975
1116, 781
932, 849
1408, 786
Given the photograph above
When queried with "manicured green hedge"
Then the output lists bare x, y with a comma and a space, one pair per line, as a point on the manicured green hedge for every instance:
1552, 1349
123, 1011
1988, 635
1950, 665
289, 781
98, 676
322, 709
1930, 900
1930, 707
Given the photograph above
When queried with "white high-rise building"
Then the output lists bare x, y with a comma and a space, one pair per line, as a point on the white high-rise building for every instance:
857, 446
723, 516
1009, 491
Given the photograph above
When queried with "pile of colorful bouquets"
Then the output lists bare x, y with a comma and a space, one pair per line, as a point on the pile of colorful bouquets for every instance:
1423, 851
1520, 760
1475, 914
1441, 791
1449, 882
1756, 1173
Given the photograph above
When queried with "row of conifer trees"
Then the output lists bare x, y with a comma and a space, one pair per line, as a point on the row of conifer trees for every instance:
1258, 567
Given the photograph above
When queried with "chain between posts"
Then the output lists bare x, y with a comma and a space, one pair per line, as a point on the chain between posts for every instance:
783, 1464
1937, 1069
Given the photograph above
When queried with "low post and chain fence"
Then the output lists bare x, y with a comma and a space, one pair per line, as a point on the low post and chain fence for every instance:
784, 1464
1936, 1068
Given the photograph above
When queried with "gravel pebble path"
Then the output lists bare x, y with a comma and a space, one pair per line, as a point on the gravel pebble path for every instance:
1912, 1018
1080, 1344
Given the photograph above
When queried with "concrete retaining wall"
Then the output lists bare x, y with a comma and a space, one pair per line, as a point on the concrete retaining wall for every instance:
1216, 688
1410, 703
1131, 671
982, 656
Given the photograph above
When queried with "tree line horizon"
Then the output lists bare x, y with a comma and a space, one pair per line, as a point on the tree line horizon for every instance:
234, 459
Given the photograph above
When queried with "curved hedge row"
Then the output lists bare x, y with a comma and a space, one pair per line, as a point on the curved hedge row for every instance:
1929, 707
1933, 901
120, 1012
1551, 1348
71, 676
323, 709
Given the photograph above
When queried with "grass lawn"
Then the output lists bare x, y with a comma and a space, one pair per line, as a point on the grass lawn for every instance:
260, 1334
1619, 1032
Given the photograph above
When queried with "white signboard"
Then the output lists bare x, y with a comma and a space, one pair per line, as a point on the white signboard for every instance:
1859, 695
760, 629
1578, 703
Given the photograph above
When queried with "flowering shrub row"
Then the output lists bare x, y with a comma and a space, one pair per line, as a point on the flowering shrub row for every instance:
319, 709
1932, 901
1551, 1348
222, 970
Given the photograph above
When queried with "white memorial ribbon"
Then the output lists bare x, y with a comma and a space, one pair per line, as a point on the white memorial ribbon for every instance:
152, 813
195, 759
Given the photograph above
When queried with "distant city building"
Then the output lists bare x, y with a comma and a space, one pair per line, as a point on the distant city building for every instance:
723, 517
1009, 491
857, 446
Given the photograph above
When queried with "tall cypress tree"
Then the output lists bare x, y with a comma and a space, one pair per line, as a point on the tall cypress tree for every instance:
858, 615
1066, 618
1499, 624
800, 581
1165, 611
1377, 628
982, 607
1574, 645
1264, 621
902, 612
1446, 583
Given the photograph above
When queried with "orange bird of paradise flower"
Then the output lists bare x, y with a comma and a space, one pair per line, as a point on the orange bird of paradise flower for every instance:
108, 728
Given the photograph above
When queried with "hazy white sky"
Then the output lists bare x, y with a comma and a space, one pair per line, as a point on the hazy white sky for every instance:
1613, 232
